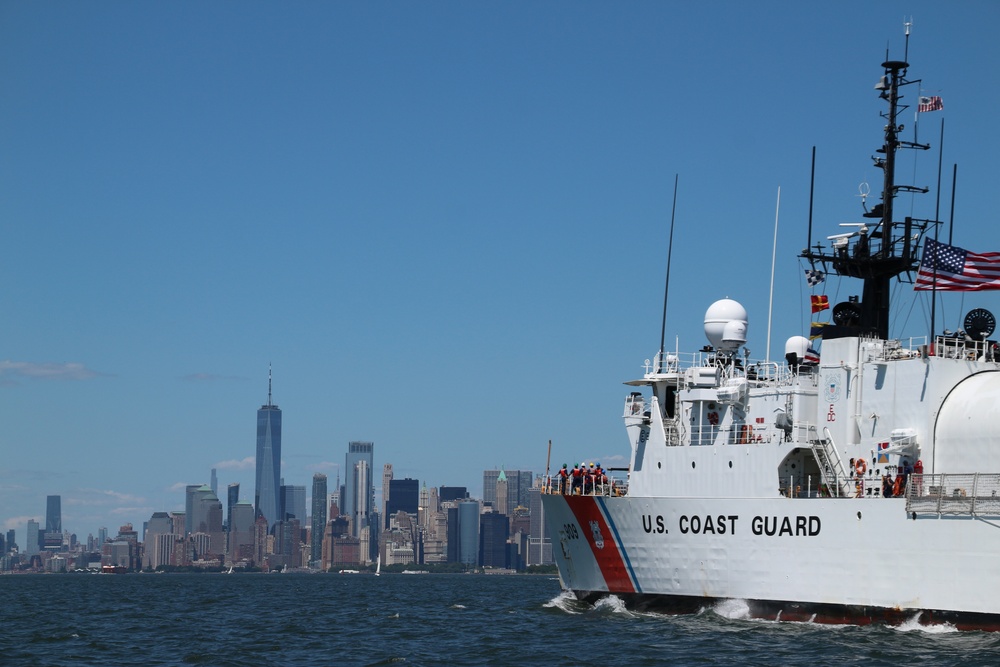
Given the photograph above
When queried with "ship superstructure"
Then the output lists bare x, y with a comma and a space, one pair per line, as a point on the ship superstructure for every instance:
859, 484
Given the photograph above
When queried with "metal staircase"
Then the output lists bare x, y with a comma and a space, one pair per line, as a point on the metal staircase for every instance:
832, 468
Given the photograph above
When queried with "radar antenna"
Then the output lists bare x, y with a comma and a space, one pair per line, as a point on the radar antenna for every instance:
881, 249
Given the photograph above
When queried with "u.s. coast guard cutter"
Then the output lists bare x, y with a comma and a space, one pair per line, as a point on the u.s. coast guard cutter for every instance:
855, 487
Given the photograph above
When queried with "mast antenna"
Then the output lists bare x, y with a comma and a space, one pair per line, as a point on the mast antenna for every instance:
269, 384
770, 301
906, 48
666, 287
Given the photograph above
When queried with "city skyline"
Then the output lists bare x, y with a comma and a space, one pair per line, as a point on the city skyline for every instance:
443, 525
476, 197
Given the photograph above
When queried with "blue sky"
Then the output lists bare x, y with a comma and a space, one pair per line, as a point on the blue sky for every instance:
444, 224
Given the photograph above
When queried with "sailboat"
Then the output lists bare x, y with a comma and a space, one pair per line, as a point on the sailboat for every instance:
378, 566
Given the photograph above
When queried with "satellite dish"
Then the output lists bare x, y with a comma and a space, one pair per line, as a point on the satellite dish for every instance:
847, 314
979, 323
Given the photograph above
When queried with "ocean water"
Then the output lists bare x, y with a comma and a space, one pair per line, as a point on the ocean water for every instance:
328, 619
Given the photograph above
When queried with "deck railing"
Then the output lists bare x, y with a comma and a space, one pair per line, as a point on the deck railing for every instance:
608, 486
973, 494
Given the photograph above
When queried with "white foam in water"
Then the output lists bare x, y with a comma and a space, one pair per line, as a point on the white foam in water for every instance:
564, 601
913, 623
734, 610
612, 603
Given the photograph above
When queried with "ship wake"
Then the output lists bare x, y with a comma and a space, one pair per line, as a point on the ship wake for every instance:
913, 624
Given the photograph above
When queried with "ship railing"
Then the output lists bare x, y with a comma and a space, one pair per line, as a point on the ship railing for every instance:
608, 487
806, 486
964, 347
759, 371
876, 349
949, 493
839, 486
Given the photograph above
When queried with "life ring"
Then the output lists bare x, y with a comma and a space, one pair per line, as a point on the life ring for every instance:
860, 467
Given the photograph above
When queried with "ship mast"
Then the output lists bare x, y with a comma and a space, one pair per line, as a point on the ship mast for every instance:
875, 252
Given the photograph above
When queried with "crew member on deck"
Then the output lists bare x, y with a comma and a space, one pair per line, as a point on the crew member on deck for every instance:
563, 477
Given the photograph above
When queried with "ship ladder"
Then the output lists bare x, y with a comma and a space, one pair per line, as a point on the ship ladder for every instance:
671, 432
831, 466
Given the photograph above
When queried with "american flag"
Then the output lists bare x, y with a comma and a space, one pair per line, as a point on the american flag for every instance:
932, 103
957, 270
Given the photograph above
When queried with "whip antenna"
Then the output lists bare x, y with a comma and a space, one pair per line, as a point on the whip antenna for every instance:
666, 287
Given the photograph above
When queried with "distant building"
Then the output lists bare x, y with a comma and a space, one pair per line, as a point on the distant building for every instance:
207, 519
519, 483
404, 496
158, 541
32, 546
468, 533
268, 480
386, 490
123, 550
539, 545
340, 549
448, 493
53, 514
241, 533
318, 522
293, 502
189, 498
287, 540
493, 534
359, 493
500, 506
232, 497
260, 538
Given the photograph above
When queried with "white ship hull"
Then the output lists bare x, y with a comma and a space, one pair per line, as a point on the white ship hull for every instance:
825, 560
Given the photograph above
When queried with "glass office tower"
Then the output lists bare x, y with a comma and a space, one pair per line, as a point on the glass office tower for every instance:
268, 483
318, 516
53, 514
358, 476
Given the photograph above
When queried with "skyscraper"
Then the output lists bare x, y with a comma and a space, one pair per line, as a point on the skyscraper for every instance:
468, 533
518, 484
447, 493
318, 517
293, 502
31, 547
241, 533
357, 453
404, 495
53, 514
207, 518
232, 497
501, 493
493, 534
266, 499
386, 492
190, 493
